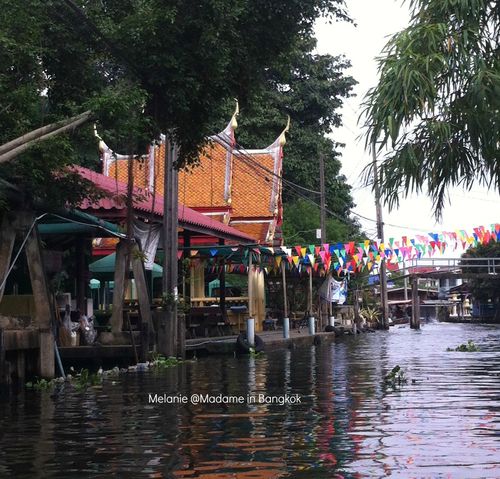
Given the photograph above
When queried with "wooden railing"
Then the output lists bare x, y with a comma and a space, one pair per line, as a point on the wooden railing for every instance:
230, 301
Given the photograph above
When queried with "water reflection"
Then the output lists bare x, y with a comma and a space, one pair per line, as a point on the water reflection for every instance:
443, 423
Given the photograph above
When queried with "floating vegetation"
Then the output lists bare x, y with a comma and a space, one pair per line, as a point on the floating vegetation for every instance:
470, 347
85, 379
39, 384
162, 362
255, 354
396, 377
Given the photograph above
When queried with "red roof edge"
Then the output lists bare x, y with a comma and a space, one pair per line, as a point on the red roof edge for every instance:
143, 201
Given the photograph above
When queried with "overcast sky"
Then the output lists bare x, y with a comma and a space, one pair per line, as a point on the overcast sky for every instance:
361, 44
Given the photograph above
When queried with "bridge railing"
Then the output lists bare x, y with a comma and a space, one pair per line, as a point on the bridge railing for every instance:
472, 265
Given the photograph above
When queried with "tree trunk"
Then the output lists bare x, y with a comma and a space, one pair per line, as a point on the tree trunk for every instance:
14, 148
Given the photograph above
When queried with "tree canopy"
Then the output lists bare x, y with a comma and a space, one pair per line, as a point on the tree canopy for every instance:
302, 219
141, 66
437, 103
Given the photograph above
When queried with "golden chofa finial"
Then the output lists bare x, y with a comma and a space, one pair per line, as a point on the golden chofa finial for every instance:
282, 138
102, 145
234, 122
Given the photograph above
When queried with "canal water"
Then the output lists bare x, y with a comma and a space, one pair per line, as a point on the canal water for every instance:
445, 422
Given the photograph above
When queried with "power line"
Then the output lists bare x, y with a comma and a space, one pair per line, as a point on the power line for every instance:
244, 152
250, 161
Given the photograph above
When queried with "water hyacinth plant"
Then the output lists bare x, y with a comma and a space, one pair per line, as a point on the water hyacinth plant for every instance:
469, 347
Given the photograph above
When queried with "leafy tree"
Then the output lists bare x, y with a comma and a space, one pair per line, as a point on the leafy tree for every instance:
140, 66
311, 90
486, 288
437, 103
302, 218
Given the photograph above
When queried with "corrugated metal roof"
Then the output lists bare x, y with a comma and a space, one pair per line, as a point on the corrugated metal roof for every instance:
143, 201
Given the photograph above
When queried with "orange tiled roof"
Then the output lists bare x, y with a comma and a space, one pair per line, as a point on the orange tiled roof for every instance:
233, 184
204, 185
140, 167
256, 230
252, 186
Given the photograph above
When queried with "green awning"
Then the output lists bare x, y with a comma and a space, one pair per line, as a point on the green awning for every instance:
106, 266
75, 222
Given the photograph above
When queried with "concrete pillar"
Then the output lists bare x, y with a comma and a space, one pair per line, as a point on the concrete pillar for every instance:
312, 325
251, 332
286, 328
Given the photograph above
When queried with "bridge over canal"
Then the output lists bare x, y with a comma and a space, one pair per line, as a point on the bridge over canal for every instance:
441, 268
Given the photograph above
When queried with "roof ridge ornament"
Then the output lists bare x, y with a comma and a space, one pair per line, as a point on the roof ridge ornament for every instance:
102, 144
234, 122
228, 132
282, 137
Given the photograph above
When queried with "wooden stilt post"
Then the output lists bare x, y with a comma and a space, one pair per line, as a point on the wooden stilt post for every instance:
81, 286
415, 304
3, 379
222, 286
121, 269
7, 239
44, 311
142, 289
21, 366
144, 301
187, 252
181, 336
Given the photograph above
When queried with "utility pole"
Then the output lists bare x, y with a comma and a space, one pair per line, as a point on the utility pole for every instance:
380, 234
323, 197
168, 326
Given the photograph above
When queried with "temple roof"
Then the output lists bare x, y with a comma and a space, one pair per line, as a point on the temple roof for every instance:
236, 186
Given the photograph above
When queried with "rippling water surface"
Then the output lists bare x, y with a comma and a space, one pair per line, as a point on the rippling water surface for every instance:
445, 422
